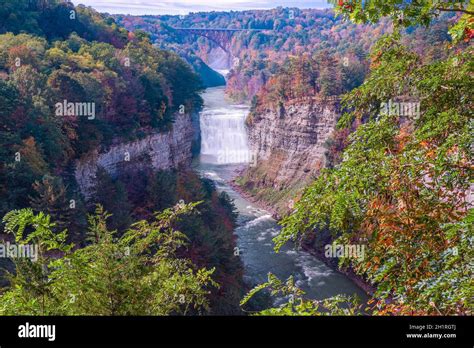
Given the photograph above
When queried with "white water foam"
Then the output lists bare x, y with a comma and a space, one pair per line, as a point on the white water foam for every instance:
311, 269
212, 175
223, 135
258, 220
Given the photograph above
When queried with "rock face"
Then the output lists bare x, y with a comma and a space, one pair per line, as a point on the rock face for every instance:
289, 147
165, 150
218, 59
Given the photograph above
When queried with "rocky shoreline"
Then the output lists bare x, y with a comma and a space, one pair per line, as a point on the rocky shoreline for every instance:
348, 272
260, 204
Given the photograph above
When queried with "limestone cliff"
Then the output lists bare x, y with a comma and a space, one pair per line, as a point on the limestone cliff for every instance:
288, 144
165, 150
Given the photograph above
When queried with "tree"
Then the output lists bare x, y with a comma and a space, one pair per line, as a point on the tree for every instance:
406, 13
51, 199
30, 289
329, 80
402, 183
161, 189
112, 195
10, 101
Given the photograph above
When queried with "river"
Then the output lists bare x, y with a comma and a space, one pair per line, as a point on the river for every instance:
224, 150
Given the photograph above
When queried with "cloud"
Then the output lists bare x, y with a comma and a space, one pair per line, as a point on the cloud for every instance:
175, 7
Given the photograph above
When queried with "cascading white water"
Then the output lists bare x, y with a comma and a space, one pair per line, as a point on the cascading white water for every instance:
223, 134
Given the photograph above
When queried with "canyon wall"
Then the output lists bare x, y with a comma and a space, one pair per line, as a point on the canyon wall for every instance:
288, 145
218, 59
165, 150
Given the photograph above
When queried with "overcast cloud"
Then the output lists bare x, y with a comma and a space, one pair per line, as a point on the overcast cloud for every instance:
177, 7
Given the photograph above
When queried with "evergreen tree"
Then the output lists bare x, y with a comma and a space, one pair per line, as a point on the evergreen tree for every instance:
112, 195
51, 199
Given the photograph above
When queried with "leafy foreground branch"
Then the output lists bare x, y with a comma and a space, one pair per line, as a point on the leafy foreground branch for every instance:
409, 13
139, 273
297, 305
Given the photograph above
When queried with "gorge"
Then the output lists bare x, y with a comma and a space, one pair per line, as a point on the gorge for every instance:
224, 132
227, 146
285, 188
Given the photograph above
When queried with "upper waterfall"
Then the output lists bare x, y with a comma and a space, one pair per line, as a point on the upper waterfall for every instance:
223, 133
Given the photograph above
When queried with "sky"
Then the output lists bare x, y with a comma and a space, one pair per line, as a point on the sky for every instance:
182, 7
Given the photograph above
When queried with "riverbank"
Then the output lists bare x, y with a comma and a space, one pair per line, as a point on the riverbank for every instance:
260, 204
318, 254
348, 272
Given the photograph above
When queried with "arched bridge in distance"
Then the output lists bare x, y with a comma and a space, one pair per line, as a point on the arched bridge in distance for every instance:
221, 36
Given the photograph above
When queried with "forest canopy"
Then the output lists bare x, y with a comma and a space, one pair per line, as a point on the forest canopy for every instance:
54, 54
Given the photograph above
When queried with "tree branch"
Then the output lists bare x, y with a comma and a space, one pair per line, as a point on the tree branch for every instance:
454, 10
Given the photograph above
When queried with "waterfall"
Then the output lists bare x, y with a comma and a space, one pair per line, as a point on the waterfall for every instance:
223, 134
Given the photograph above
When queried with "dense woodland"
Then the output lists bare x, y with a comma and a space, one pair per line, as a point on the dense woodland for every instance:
51, 51
135, 88
286, 34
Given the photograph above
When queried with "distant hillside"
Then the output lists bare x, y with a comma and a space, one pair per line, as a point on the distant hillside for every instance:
164, 37
287, 32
